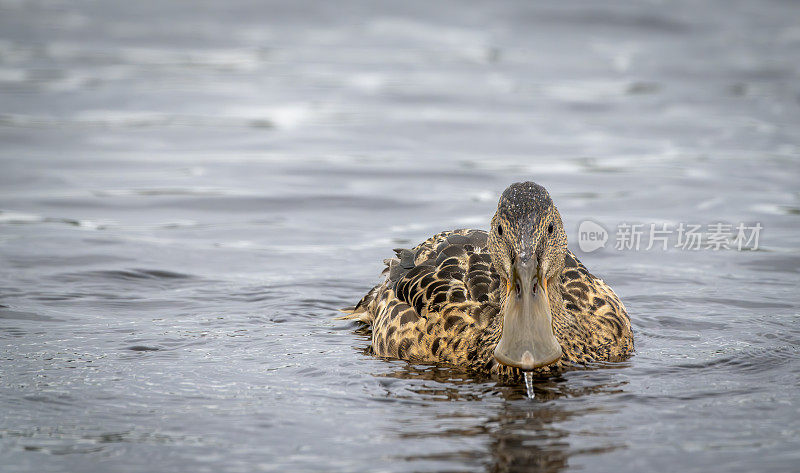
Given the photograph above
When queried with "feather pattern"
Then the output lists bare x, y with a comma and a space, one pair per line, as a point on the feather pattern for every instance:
441, 301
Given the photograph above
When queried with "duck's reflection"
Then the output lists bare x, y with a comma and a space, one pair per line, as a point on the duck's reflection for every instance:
528, 439
514, 434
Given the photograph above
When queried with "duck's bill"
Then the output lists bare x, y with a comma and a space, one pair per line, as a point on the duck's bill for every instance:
527, 341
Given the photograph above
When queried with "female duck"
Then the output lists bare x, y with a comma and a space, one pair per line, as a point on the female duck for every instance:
512, 299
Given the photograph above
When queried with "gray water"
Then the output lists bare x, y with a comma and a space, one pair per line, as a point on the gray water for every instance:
190, 191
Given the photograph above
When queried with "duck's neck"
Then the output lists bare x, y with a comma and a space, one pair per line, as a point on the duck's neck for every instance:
567, 329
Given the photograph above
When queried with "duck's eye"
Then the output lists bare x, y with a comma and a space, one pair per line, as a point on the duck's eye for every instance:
550, 228
500, 230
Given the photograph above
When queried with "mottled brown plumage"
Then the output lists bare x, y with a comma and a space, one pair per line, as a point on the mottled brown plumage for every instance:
443, 300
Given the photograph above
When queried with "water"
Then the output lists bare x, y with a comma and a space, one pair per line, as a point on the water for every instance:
189, 195
529, 385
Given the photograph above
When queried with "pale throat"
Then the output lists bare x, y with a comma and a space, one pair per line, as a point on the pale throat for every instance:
527, 340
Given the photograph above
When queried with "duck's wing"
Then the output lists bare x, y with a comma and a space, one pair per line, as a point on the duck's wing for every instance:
598, 308
433, 299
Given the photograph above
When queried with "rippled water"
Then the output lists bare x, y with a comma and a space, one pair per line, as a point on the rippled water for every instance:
189, 192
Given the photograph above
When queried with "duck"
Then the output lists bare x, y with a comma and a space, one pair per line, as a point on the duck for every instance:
501, 302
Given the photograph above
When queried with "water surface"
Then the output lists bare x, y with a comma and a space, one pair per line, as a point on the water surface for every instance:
190, 192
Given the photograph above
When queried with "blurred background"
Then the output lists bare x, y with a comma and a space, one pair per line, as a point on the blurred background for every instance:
189, 190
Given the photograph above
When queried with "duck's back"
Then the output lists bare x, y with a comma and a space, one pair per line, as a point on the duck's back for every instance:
436, 299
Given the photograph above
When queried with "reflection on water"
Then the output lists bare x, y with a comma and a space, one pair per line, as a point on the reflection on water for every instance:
440, 383
518, 439
515, 434
188, 196
530, 441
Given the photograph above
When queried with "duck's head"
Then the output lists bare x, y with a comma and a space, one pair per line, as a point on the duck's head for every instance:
527, 243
